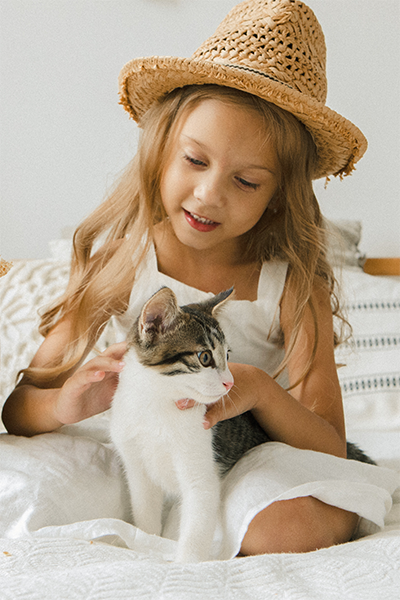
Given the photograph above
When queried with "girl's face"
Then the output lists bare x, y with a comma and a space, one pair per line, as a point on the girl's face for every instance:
220, 175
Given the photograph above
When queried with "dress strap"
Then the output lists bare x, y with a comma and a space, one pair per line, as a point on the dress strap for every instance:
272, 281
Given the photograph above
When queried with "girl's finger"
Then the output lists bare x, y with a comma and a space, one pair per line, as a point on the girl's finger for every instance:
103, 363
98, 375
225, 408
92, 372
215, 412
83, 379
185, 403
116, 350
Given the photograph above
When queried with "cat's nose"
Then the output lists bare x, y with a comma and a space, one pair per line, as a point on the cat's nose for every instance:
228, 385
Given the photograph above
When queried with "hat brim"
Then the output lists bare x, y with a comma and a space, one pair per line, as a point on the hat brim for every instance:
339, 142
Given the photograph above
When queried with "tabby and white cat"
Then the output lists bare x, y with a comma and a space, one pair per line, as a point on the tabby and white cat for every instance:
175, 353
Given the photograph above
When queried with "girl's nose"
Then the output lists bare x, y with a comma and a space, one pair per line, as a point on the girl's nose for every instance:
210, 191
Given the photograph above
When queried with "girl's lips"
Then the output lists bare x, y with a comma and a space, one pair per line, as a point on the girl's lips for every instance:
200, 223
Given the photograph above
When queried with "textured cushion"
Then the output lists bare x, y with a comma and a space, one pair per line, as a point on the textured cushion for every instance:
371, 378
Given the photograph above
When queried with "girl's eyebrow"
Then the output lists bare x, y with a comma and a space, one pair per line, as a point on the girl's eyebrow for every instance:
188, 137
250, 166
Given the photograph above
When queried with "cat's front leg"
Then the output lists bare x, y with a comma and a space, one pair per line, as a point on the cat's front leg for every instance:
146, 497
146, 503
200, 499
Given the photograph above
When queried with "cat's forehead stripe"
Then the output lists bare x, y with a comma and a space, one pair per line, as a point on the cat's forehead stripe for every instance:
176, 350
209, 328
204, 319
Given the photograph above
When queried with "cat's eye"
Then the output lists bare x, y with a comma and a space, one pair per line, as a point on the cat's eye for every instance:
206, 358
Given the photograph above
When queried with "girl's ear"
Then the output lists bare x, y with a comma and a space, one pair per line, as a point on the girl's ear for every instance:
158, 315
274, 204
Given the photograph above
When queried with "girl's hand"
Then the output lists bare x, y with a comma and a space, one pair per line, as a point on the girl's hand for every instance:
241, 398
282, 416
91, 388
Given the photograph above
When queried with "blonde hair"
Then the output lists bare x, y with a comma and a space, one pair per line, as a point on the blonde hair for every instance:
290, 229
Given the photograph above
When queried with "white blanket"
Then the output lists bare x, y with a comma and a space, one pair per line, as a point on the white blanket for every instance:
91, 551
69, 569
74, 483
60, 479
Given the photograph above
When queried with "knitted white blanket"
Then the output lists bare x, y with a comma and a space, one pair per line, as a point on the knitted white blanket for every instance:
86, 554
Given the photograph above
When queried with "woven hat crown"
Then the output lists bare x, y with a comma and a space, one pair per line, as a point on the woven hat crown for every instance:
281, 39
273, 49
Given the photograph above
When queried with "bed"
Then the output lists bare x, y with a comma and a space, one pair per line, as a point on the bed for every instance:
58, 540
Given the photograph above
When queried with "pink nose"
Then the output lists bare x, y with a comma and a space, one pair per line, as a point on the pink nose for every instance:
228, 385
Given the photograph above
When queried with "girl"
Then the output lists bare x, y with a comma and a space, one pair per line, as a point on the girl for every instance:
220, 194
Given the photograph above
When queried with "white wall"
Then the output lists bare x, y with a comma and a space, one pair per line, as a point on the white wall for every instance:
64, 137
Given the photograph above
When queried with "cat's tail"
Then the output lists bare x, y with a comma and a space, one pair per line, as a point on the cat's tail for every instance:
354, 453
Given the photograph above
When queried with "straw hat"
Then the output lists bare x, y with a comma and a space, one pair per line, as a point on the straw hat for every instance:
4, 267
274, 49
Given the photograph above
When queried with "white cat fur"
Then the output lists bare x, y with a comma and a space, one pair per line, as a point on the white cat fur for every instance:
167, 451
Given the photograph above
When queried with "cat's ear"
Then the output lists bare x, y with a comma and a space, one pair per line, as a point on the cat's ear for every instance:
214, 304
158, 315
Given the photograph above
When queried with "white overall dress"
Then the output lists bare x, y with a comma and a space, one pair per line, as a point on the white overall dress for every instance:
273, 471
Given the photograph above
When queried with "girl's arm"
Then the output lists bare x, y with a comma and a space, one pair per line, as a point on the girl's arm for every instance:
73, 396
310, 416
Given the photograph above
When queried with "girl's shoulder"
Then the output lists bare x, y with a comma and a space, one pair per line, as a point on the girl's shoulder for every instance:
317, 306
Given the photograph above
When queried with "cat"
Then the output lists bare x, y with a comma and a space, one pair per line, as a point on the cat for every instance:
234, 437
175, 353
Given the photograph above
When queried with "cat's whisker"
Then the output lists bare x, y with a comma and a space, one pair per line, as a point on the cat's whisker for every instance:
224, 404
232, 400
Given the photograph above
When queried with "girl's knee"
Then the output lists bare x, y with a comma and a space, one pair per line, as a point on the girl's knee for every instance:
298, 525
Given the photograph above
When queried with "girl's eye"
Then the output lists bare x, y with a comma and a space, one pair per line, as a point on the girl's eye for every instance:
206, 358
194, 161
247, 184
